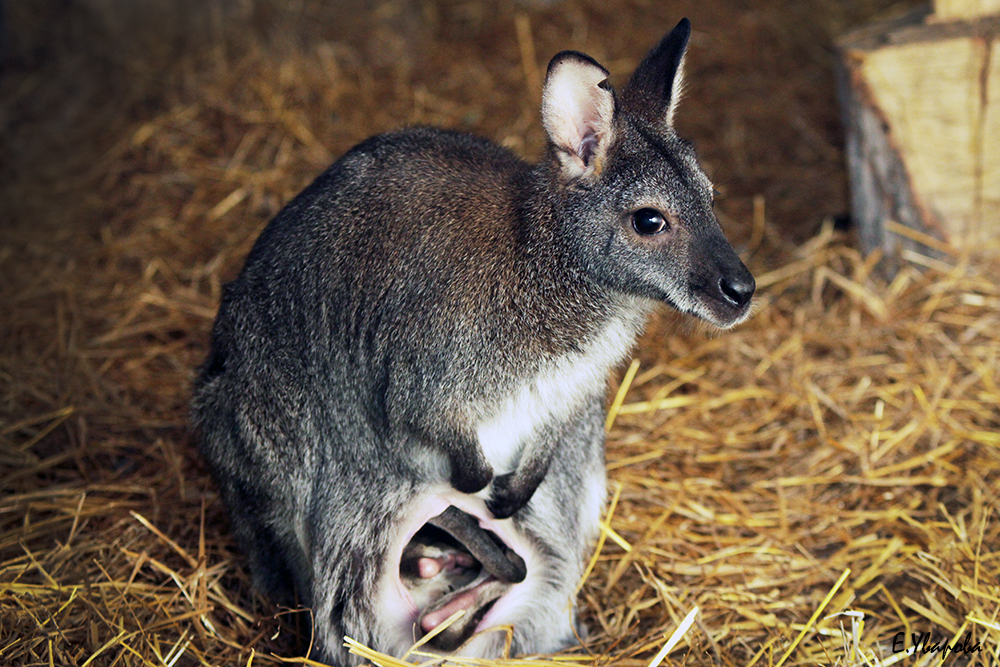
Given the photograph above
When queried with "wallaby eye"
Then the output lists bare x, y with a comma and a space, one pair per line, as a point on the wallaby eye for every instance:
648, 221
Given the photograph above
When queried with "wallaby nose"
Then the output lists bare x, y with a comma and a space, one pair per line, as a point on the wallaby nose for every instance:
738, 290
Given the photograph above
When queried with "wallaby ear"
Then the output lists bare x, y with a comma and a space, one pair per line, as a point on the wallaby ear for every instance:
656, 85
578, 107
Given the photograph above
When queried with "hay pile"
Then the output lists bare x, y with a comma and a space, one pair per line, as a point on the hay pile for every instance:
814, 482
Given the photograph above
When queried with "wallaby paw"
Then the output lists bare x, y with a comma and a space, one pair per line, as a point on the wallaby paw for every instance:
505, 501
471, 481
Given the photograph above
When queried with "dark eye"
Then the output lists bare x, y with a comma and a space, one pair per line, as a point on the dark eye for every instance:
648, 221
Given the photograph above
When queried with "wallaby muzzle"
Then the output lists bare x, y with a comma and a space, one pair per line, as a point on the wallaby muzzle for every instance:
728, 289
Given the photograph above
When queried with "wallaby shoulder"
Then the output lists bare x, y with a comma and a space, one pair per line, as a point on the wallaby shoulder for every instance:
441, 223
421, 198
439, 149
391, 175
441, 173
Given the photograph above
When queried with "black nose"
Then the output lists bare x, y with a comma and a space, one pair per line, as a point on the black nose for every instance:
737, 290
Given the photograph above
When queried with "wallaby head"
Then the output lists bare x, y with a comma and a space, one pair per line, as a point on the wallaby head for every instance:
637, 204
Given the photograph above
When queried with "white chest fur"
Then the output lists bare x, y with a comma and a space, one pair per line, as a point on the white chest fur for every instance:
556, 393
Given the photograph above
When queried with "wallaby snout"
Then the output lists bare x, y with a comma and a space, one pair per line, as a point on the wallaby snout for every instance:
738, 290
736, 286
724, 295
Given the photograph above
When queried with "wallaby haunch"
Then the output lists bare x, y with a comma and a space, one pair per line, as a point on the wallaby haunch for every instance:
403, 406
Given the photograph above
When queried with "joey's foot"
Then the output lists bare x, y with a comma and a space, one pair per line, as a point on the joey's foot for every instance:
505, 501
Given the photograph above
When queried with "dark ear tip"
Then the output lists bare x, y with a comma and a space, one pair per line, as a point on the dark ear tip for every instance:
564, 56
683, 29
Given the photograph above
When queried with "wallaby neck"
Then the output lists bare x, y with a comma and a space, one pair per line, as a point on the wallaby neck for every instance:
552, 289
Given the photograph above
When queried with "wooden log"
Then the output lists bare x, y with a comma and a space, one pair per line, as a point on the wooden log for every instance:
952, 10
921, 103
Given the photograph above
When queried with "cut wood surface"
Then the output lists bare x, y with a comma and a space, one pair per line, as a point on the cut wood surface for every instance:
923, 121
950, 10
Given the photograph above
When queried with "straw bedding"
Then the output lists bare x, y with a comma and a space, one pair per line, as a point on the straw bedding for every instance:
814, 482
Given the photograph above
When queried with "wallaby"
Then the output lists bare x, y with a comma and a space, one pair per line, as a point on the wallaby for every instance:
424, 337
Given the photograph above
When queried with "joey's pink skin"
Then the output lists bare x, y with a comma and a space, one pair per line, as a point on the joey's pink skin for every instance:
461, 601
429, 567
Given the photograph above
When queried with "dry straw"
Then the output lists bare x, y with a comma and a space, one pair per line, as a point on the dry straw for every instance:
798, 491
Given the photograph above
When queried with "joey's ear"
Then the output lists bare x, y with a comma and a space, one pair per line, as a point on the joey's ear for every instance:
656, 85
578, 106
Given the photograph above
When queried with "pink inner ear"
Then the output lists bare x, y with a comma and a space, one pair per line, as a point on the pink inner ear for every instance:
588, 145
577, 111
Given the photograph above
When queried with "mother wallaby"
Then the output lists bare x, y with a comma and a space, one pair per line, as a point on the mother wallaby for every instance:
422, 338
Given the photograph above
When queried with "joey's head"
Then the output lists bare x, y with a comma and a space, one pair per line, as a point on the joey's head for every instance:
634, 204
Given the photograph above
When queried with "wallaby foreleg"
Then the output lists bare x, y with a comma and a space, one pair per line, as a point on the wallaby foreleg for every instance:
513, 490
